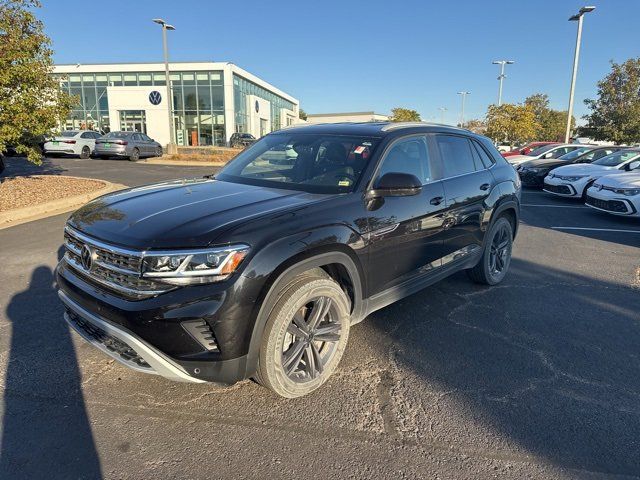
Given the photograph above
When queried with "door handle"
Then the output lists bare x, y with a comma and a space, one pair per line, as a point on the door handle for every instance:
484, 186
436, 201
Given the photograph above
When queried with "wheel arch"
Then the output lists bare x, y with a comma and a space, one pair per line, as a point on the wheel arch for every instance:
337, 260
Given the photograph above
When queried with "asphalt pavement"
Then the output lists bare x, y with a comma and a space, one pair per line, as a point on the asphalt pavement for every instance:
537, 377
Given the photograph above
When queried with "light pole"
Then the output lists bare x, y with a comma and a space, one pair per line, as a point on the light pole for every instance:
464, 97
442, 110
502, 76
172, 149
577, 17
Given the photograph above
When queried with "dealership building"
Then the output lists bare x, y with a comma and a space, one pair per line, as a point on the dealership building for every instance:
211, 101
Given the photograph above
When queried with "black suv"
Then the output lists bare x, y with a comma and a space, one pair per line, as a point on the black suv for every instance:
241, 140
259, 271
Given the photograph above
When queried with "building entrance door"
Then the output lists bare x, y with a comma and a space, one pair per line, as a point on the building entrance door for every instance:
263, 127
133, 121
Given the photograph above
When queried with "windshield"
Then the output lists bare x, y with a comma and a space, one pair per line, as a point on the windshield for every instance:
616, 158
116, 135
541, 150
575, 154
309, 162
69, 133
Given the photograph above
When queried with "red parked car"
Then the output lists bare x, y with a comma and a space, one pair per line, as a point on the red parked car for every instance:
527, 148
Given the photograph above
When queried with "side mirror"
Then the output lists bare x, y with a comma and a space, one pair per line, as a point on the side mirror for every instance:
395, 184
633, 165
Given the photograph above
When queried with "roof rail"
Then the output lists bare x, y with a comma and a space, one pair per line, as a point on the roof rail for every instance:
397, 125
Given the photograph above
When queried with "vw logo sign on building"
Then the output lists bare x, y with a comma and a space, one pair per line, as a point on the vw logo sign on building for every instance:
257, 106
155, 98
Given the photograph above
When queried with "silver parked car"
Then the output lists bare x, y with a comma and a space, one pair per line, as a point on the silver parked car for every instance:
72, 142
132, 145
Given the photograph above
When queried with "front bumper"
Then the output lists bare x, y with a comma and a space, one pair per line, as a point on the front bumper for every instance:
121, 344
563, 188
163, 331
607, 201
532, 179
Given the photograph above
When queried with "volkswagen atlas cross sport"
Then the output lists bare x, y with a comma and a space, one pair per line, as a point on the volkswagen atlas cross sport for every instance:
260, 271
574, 180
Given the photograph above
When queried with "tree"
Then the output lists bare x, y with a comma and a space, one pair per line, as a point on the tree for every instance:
552, 123
511, 123
476, 125
400, 114
31, 102
615, 114
302, 114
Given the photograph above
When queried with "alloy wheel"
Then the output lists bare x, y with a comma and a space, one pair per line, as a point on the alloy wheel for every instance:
500, 250
311, 340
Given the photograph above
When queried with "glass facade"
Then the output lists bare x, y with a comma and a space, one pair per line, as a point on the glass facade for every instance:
243, 87
198, 103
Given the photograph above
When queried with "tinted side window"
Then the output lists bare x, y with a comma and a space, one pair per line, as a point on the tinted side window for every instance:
456, 154
409, 155
86, 135
486, 160
136, 137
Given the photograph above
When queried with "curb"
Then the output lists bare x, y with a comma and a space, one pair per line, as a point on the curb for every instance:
22, 215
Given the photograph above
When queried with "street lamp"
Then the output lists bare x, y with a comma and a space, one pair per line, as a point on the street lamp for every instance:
442, 110
464, 97
502, 76
171, 148
577, 17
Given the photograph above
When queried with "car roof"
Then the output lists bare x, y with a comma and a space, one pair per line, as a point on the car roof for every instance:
372, 129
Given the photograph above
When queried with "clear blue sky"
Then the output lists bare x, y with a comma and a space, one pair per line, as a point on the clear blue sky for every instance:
360, 55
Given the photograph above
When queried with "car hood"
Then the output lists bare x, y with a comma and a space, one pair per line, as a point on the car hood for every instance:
181, 213
582, 169
517, 159
544, 163
621, 180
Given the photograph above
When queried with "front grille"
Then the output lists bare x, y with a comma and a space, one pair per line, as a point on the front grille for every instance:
617, 206
563, 189
113, 344
112, 268
530, 178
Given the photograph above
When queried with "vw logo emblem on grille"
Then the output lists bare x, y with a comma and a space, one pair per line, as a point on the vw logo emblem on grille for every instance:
86, 258
599, 187
155, 98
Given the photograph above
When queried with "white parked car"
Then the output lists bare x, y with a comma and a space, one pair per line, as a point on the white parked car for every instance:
618, 194
73, 142
573, 180
545, 152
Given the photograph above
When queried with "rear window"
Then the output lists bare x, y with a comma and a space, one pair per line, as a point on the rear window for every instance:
117, 135
69, 133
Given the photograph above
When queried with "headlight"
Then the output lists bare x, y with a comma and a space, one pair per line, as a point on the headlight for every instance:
573, 178
536, 170
629, 192
188, 267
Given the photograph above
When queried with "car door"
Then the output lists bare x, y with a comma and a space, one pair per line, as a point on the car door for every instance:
87, 138
405, 233
467, 184
137, 140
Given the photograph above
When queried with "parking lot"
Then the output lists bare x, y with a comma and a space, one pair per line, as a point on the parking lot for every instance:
539, 376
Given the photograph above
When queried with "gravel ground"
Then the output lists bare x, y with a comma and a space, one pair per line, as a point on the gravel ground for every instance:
21, 192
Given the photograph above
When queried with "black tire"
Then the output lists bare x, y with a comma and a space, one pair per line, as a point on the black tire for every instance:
85, 152
496, 257
291, 363
135, 155
159, 152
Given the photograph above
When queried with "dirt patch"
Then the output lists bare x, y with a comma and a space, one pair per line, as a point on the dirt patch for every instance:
218, 156
19, 192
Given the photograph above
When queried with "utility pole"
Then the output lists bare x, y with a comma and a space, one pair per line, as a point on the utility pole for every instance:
442, 110
577, 17
171, 147
502, 76
464, 97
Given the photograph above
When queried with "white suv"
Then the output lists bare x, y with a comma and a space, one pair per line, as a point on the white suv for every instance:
573, 180
73, 142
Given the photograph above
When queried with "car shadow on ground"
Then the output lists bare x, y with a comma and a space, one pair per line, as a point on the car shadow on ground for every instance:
46, 432
545, 365
21, 167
